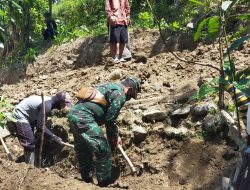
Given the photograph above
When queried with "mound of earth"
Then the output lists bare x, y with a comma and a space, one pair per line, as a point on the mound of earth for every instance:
164, 160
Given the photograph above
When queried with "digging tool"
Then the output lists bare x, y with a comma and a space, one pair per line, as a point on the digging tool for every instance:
3, 134
121, 150
67, 144
127, 158
6, 149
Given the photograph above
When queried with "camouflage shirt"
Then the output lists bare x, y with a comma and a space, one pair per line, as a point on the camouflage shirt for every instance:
85, 112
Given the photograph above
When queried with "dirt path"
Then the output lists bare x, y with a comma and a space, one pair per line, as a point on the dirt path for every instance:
163, 161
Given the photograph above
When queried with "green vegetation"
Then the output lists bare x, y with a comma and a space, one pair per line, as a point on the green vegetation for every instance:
21, 24
207, 89
5, 114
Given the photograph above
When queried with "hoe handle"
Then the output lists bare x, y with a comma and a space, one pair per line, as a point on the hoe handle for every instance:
127, 158
67, 144
6, 149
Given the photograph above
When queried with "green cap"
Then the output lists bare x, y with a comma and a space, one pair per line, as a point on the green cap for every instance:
134, 83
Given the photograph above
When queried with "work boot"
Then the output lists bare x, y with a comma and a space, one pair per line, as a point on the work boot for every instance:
103, 183
87, 178
29, 157
248, 140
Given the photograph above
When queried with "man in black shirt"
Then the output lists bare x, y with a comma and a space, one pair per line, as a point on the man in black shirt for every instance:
50, 31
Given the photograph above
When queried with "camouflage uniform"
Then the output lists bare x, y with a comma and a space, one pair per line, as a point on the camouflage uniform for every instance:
85, 118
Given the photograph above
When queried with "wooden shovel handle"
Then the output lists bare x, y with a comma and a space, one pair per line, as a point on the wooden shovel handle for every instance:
67, 144
127, 158
6, 149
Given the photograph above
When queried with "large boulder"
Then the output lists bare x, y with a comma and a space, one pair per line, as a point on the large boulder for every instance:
155, 115
140, 133
183, 111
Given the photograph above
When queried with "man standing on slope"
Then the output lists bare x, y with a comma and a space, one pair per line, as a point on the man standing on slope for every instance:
29, 114
118, 15
101, 106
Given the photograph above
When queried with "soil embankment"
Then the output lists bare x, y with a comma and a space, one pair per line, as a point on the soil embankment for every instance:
164, 160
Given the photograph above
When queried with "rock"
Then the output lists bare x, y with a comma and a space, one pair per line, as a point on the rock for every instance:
31, 70
127, 118
140, 133
116, 74
69, 63
140, 58
120, 185
210, 123
181, 111
167, 84
157, 87
127, 121
201, 109
43, 77
155, 115
179, 66
233, 132
157, 127
176, 132
172, 89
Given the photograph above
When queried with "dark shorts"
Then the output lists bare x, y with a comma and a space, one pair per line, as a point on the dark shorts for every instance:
118, 34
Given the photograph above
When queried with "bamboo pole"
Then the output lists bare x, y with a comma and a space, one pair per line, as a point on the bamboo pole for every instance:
42, 134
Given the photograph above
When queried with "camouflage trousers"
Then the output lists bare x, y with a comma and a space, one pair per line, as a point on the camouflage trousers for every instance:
90, 141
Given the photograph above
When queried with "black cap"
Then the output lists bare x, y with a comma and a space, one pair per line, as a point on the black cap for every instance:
64, 97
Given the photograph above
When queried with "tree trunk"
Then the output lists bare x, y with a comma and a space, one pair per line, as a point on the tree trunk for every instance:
50, 7
15, 36
26, 25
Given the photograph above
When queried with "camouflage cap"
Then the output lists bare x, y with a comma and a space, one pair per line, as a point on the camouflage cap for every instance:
134, 83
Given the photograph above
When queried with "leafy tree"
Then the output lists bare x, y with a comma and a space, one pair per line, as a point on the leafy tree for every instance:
18, 20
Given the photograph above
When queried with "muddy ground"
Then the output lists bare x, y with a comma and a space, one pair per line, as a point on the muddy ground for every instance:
192, 161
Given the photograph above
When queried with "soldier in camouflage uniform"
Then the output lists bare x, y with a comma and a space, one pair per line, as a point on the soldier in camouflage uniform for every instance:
86, 117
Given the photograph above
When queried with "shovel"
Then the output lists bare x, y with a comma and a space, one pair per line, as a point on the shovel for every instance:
3, 134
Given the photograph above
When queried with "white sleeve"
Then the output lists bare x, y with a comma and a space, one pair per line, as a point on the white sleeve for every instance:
248, 119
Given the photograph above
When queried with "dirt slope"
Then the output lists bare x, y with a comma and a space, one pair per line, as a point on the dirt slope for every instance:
162, 161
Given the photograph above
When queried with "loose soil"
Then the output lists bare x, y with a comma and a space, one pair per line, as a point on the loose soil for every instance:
163, 162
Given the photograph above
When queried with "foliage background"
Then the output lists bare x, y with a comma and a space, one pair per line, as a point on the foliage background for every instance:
21, 21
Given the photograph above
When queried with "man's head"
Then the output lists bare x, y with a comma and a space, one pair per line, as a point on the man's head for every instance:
63, 99
133, 85
47, 15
